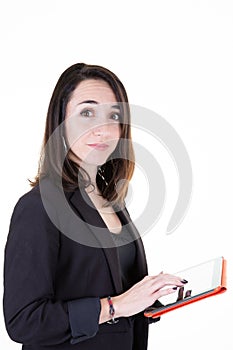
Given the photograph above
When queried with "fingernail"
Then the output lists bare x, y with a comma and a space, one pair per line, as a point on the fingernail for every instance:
175, 288
184, 281
188, 294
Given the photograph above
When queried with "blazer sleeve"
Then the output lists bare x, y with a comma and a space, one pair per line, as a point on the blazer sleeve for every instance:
32, 313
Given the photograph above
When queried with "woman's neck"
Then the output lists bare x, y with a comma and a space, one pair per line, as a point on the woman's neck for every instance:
92, 172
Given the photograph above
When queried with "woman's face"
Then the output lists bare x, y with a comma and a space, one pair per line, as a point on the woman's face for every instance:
93, 121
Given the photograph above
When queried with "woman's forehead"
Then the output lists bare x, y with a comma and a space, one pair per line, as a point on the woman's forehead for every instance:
93, 90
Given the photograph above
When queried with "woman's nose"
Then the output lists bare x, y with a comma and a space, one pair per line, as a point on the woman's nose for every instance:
100, 130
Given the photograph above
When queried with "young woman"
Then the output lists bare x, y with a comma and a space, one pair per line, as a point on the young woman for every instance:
75, 273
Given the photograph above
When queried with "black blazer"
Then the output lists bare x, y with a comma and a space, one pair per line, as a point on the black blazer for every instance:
53, 282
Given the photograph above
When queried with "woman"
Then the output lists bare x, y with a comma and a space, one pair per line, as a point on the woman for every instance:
75, 273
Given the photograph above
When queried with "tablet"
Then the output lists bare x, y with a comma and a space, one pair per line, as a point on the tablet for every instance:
204, 280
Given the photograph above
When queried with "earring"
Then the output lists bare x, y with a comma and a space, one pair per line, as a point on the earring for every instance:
64, 144
101, 174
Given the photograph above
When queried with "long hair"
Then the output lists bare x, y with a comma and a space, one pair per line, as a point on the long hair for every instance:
118, 168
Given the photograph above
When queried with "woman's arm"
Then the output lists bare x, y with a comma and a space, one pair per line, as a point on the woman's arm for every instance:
32, 313
142, 295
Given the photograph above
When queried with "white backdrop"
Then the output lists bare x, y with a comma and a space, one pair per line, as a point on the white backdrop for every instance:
174, 57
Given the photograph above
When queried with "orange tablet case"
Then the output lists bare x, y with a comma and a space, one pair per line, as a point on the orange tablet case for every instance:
154, 313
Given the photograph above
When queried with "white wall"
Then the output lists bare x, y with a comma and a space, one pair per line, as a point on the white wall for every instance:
174, 57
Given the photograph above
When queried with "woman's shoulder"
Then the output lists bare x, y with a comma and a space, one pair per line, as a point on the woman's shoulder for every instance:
44, 201
35, 198
28, 207
30, 218
31, 197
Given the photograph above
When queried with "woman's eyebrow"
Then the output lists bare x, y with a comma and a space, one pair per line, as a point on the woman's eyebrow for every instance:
95, 102
116, 107
88, 101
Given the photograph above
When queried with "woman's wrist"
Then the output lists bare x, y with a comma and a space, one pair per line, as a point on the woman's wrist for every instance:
105, 313
113, 319
118, 303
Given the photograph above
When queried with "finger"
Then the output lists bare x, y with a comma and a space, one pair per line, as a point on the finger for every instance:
155, 283
188, 293
166, 279
180, 294
162, 292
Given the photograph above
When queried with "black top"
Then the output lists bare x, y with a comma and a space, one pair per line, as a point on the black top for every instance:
127, 253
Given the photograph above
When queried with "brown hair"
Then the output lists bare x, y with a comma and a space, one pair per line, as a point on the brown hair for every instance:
119, 166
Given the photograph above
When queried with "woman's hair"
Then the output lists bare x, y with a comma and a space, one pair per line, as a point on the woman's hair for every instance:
55, 163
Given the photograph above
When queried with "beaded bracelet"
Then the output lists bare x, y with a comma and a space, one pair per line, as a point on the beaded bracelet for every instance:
111, 311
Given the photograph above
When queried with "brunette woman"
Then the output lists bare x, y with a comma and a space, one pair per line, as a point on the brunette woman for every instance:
75, 274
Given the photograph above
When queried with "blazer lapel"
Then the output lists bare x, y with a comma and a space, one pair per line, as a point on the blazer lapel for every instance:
141, 264
99, 232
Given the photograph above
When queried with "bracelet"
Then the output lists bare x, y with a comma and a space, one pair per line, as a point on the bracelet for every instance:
111, 311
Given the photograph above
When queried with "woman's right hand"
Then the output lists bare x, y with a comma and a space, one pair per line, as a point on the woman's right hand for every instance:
144, 293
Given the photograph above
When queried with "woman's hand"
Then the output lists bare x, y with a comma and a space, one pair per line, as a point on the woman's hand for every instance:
144, 293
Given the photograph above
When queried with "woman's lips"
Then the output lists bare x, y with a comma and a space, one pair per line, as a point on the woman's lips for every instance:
98, 146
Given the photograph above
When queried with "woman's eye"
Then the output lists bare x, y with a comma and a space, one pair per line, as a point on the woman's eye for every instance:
116, 117
86, 113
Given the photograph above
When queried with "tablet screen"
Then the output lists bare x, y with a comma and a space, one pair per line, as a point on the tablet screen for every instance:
201, 278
